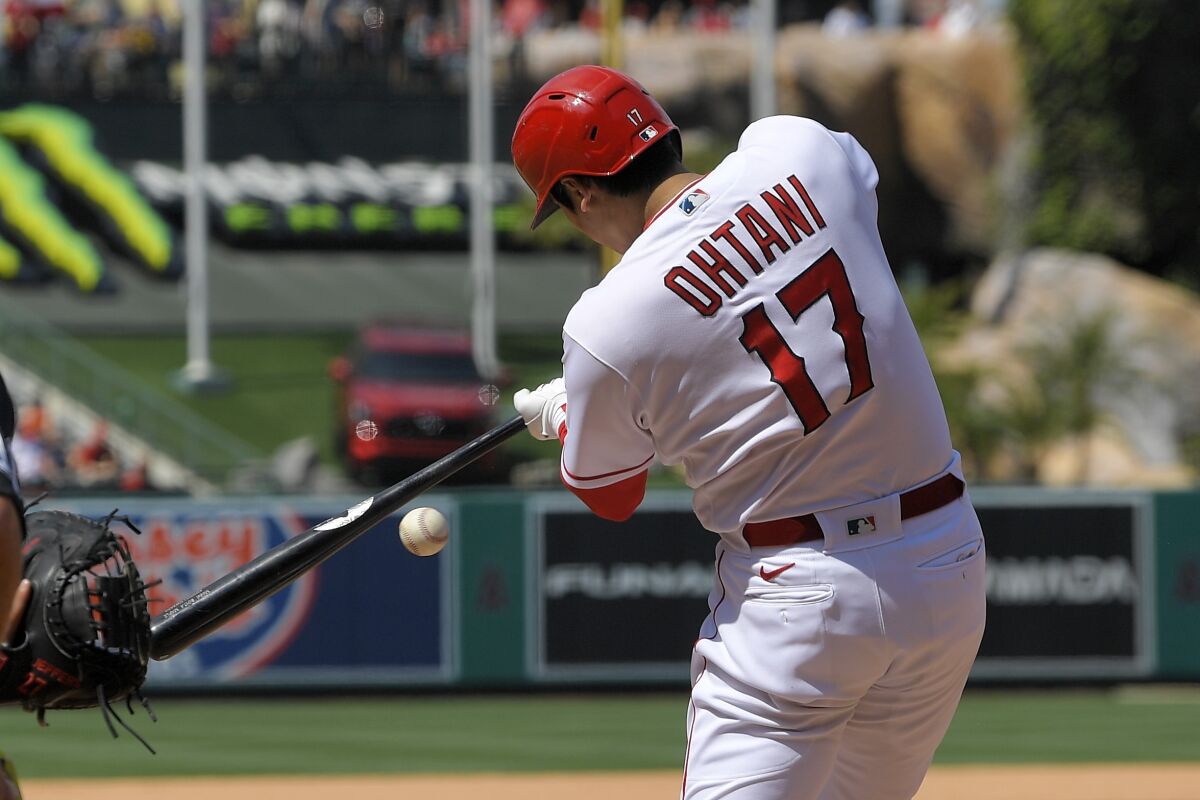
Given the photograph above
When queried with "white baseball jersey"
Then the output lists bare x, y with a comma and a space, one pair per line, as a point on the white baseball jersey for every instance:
754, 334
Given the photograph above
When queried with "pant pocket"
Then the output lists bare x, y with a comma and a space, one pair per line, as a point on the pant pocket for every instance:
954, 557
807, 594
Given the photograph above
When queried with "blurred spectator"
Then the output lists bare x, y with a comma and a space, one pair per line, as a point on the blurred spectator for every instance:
845, 19
960, 18
637, 16
420, 29
25, 24
669, 17
558, 13
517, 18
36, 451
708, 16
135, 478
48, 462
592, 16
92, 462
278, 23
928, 13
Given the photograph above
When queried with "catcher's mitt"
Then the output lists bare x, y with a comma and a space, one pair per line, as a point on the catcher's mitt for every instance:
85, 638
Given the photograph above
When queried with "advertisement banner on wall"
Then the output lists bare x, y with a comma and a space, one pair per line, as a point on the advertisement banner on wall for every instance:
619, 601
257, 201
347, 622
1069, 589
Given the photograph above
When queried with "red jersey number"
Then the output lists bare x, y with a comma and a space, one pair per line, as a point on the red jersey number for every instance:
827, 276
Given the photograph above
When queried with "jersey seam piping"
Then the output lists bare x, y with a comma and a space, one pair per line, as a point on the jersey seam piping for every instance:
628, 383
623, 470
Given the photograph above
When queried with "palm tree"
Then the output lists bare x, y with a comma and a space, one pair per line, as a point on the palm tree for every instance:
1074, 368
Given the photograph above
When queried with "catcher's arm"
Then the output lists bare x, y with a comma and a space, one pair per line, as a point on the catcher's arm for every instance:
12, 512
9, 790
12, 625
13, 592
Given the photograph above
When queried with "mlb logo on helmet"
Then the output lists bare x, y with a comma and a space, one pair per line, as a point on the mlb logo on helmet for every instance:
860, 525
692, 201
648, 133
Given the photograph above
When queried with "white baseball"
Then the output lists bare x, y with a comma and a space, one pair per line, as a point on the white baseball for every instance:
424, 531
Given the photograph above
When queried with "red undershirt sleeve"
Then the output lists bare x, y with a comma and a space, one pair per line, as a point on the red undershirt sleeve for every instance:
616, 501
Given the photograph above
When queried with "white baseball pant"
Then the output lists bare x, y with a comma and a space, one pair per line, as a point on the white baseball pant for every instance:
836, 678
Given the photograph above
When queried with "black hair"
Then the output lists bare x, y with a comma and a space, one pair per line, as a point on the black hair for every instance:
651, 167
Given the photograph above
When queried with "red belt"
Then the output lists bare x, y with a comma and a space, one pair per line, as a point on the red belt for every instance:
805, 528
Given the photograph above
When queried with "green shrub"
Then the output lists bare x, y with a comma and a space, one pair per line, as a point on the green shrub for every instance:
1114, 93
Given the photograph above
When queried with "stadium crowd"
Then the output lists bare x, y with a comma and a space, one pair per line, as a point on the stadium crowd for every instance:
108, 48
105, 48
50, 458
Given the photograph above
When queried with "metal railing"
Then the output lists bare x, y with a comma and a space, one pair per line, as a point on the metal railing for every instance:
118, 395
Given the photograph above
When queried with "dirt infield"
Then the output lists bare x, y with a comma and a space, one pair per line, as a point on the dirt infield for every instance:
1039, 782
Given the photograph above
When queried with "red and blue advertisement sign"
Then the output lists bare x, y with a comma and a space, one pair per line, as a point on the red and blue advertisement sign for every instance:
372, 614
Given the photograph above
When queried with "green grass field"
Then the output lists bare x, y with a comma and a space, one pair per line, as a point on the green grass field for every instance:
281, 387
554, 733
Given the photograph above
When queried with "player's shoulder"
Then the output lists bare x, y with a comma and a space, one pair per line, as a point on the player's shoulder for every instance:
589, 322
608, 318
602, 306
811, 144
782, 130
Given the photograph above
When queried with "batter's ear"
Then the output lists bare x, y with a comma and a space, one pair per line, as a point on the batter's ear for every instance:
579, 192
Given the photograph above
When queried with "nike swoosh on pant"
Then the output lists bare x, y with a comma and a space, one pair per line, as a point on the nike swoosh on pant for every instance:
775, 573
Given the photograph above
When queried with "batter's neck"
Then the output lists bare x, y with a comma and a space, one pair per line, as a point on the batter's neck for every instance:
666, 191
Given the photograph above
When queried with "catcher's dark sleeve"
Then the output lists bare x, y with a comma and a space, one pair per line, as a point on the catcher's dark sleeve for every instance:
8, 413
9, 486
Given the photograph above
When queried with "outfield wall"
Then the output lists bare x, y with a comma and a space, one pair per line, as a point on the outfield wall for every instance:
534, 590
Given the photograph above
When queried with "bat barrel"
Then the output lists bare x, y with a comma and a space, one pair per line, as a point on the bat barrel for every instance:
190, 620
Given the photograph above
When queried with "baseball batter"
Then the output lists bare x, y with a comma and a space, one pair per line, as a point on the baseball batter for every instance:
753, 333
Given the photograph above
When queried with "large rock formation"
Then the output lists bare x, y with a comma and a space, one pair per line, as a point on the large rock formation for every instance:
1145, 385
937, 113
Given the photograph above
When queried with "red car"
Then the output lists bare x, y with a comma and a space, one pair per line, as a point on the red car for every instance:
408, 396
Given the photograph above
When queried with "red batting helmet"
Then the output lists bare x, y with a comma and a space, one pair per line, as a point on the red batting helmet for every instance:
586, 121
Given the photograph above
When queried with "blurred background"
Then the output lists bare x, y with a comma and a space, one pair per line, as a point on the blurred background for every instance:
261, 257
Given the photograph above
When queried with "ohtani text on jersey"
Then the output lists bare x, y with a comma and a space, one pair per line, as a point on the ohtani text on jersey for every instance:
713, 273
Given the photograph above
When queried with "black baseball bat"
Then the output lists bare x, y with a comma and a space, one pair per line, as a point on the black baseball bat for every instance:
190, 620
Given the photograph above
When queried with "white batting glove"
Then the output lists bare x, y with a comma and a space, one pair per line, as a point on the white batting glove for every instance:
544, 409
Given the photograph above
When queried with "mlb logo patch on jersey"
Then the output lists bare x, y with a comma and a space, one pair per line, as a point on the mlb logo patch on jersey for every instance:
648, 133
860, 525
692, 201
